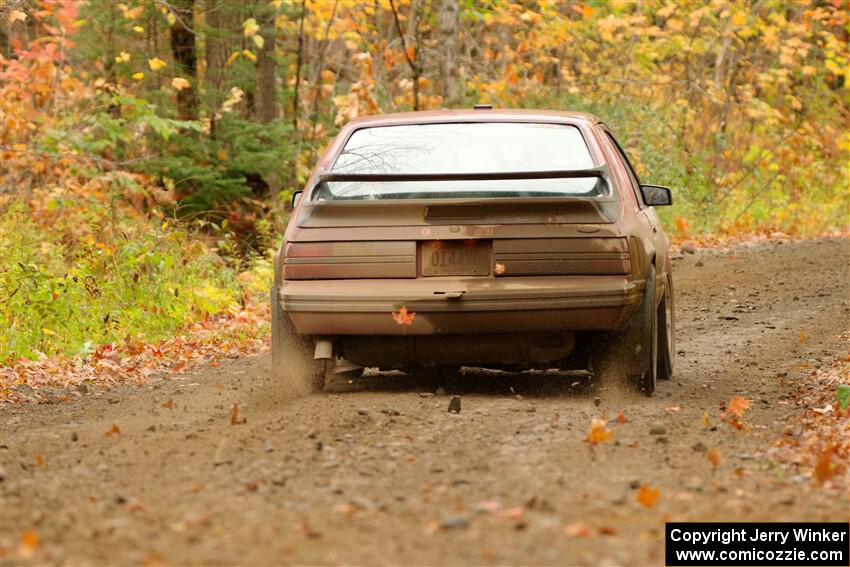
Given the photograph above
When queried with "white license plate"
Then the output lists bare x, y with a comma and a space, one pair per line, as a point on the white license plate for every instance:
456, 258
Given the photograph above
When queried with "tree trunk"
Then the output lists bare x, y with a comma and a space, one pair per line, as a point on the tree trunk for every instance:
412, 27
298, 63
216, 55
266, 102
183, 51
5, 39
448, 12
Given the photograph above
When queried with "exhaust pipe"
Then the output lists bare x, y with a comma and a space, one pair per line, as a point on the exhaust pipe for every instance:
338, 367
324, 350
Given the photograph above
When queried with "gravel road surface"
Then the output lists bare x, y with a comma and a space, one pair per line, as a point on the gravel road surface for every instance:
378, 472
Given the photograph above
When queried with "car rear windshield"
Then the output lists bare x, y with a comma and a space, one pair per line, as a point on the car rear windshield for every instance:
462, 148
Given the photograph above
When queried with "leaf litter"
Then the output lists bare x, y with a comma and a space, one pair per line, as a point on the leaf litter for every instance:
817, 446
61, 379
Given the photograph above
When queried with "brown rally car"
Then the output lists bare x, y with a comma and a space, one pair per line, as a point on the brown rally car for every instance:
502, 239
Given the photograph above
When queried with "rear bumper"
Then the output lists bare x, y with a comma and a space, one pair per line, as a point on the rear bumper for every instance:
485, 305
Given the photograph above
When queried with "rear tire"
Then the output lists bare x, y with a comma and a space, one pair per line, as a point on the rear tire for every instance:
647, 346
666, 332
634, 352
293, 368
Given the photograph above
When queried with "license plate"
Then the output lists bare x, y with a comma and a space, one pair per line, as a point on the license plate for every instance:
456, 258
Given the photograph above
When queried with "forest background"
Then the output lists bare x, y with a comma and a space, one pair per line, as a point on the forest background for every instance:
149, 148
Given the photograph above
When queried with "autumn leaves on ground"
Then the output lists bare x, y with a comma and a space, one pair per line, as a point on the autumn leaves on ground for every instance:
210, 465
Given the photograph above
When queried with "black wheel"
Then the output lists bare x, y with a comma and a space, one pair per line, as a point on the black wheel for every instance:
632, 353
666, 332
646, 347
293, 368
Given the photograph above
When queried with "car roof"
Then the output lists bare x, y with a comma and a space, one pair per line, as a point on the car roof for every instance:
474, 115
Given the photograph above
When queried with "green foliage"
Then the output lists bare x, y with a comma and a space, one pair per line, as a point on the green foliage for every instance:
843, 394
216, 173
114, 127
105, 280
210, 172
757, 195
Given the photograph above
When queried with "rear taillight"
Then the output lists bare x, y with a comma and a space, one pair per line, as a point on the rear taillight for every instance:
511, 257
349, 260
561, 256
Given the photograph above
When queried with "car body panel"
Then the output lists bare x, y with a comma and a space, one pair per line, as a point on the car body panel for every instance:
485, 305
556, 265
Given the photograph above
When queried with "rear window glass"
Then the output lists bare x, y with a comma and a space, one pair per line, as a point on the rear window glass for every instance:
464, 148
490, 147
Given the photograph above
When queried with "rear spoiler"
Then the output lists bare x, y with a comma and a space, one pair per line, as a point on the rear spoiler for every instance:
600, 172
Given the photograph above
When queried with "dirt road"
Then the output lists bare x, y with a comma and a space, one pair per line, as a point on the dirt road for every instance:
378, 472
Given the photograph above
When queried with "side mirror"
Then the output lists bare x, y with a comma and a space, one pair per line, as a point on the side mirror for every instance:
656, 195
296, 197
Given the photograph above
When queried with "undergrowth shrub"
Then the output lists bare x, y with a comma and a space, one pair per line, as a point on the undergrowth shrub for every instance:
798, 185
208, 173
77, 274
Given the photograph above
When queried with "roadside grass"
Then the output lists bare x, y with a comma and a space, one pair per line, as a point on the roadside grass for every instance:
62, 378
83, 269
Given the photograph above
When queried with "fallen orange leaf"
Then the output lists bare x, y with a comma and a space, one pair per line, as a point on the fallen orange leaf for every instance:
738, 405
714, 456
403, 316
168, 404
345, 509
29, 543
114, 430
621, 417
234, 414
824, 469
308, 531
647, 496
599, 432
577, 529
